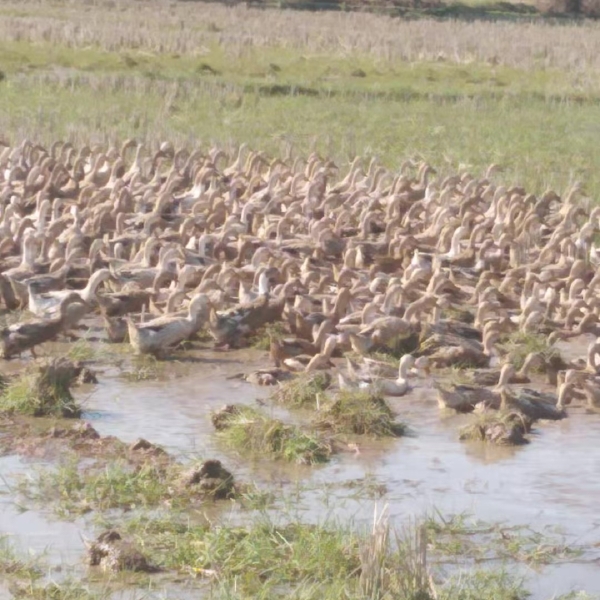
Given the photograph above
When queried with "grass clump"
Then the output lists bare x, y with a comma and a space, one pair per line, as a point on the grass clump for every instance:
248, 430
519, 344
258, 557
78, 491
484, 583
302, 390
13, 566
81, 350
261, 340
67, 589
119, 485
145, 368
498, 427
474, 541
44, 392
360, 412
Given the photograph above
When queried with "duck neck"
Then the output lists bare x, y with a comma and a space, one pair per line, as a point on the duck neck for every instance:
563, 390
28, 254
403, 370
93, 283
488, 345
455, 243
591, 356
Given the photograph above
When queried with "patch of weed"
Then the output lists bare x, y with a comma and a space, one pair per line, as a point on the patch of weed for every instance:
41, 392
14, 566
261, 340
302, 390
497, 427
81, 350
67, 589
519, 344
250, 431
360, 412
77, 490
145, 368
482, 584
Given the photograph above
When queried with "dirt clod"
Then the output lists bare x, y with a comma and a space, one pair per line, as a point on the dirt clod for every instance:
112, 553
212, 479
142, 445
223, 415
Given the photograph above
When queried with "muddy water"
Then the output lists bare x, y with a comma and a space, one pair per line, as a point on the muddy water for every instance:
552, 482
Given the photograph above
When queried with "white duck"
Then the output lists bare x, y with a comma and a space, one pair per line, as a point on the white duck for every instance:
158, 334
248, 297
397, 387
47, 304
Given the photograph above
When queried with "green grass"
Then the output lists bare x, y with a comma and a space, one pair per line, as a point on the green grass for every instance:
145, 367
302, 390
460, 535
359, 412
446, 113
498, 427
264, 558
261, 340
519, 344
250, 431
76, 490
67, 589
41, 393
14, 566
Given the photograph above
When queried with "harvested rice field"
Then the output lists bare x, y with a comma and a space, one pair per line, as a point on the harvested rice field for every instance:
297, 305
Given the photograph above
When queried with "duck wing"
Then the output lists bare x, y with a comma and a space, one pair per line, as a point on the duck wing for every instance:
538, 405
464, 398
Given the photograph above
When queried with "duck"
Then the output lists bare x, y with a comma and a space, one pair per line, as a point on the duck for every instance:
464, 398
131, 298
457, 351
399, 386
229, 328
315, 361
47, 304
380, 334
145, 276
281, 349
490, 377
155, 336
26, 335
537, 405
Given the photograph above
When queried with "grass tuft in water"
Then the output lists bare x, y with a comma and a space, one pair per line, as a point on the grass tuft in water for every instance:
14, 566
145, 368
519, 344
497, 427
250, 431
67, 589
81, 350
42, 392
484, 584
261, 340
360, 412
302, 390
119, 485
459, 535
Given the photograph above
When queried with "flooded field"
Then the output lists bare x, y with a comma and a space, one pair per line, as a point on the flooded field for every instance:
550, 485
231, 377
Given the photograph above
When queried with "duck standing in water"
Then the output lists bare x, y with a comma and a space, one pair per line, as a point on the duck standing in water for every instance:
163, 332
28, 334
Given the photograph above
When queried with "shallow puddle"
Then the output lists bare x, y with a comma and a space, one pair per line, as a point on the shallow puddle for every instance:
29, 530
551, 483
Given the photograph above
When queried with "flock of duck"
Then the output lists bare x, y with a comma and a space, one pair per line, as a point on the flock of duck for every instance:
163, 244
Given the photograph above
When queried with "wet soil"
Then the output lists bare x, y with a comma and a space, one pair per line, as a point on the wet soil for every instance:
552, 482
